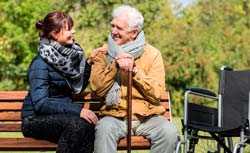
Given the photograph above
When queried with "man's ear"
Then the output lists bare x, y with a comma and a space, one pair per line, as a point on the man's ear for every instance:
135, 33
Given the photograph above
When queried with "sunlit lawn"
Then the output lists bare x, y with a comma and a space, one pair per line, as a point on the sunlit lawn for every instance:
202, 147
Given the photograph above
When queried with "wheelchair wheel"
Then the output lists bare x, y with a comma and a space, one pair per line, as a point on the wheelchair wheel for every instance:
228, 142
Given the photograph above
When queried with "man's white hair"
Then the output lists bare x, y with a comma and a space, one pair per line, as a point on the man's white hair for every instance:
135, 18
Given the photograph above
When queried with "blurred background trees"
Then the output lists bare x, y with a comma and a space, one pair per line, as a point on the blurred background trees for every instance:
195, 41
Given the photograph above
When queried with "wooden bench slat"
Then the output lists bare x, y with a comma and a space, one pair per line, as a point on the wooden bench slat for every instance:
138, 142
165, 96
11, 106
12, 95
87, 96
10, 116
16, 115
17, 106
165, 105
10, 127
25, 144
4, 127
20, 95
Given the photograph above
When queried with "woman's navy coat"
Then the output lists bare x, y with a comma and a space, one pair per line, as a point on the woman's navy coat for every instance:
49, 92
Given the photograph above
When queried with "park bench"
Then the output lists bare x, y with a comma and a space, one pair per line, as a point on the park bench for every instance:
10, 121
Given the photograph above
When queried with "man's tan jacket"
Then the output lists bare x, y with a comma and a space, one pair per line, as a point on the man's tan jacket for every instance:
148, 84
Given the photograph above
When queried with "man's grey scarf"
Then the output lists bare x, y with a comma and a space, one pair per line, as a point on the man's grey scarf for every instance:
135, 48
67, 60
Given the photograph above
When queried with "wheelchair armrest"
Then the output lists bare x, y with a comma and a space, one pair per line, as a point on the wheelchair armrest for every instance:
227, 68
202, 91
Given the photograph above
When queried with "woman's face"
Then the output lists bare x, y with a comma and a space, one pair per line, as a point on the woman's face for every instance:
64, 36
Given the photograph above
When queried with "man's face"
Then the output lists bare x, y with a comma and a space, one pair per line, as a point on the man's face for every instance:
120, 31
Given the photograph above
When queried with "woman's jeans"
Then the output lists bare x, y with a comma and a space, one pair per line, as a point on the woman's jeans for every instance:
71, 133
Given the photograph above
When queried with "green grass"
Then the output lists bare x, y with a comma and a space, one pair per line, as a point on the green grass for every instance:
202, 146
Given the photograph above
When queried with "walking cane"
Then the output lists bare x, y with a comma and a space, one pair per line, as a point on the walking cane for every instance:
129, 110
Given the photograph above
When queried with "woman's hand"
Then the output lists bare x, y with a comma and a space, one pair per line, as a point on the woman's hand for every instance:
89, 116
93, 54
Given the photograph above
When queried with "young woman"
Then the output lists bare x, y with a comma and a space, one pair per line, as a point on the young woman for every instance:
59, 70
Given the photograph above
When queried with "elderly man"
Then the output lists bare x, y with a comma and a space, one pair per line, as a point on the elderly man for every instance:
127, 50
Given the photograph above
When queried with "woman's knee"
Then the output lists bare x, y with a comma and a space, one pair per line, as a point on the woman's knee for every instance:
26, 128
79, 125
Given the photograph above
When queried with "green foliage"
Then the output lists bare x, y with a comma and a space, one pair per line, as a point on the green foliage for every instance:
195, 42
202, 39
18, 39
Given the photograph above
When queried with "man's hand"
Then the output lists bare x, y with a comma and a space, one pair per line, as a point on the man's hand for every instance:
125, 61
89, 116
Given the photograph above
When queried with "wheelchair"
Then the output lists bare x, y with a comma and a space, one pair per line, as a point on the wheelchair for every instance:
230, 117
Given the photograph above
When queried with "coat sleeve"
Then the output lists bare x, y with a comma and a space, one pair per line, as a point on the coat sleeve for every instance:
102, 75
152, 83
86, 75
43, 104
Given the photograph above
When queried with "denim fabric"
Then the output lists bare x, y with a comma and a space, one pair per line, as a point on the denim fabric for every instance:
71, 133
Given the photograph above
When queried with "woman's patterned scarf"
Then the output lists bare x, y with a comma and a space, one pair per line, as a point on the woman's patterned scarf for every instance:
67, 60
135, 48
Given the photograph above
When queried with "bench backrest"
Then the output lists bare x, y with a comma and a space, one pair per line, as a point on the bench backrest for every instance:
11, 105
